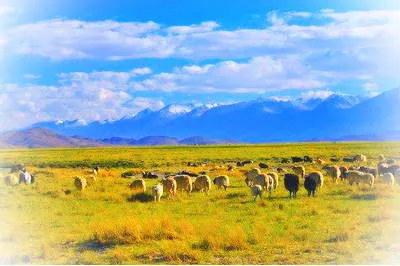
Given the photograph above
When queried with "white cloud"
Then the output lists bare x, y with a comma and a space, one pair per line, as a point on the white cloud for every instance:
316, 94
258, 75
6, 10
202, 27
31, 76
369, 86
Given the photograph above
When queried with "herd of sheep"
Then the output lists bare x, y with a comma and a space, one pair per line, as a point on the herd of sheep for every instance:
386, 170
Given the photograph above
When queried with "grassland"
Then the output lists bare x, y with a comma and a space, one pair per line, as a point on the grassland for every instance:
106, 224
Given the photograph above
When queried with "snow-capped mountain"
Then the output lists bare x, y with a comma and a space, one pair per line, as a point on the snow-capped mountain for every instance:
260, 120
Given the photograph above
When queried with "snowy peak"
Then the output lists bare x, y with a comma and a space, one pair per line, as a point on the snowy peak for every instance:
176, 110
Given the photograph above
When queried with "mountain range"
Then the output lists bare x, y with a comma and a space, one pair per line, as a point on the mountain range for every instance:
337, 117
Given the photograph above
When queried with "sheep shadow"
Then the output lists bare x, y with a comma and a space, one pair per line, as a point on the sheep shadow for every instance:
236, 195
368, 196
140, 197
93, 245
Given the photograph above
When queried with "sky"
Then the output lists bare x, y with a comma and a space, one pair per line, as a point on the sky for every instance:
102, 60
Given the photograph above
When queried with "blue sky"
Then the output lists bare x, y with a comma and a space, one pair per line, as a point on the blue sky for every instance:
97, 60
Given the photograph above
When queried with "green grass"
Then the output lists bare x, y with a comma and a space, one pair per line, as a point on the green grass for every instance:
106, 224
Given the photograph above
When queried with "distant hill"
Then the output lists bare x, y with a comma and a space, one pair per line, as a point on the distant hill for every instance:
43, 138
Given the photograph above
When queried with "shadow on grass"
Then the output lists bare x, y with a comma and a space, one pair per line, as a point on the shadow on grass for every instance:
368, 196
236, 195
141, 197
93, 245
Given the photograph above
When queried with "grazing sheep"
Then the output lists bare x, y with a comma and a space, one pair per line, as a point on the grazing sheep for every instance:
297, 159
390, 161
256, 191
281, 170
360, 177
138, 185
263, 165
348, 159
333, 171
285, 160
299, 170
388, 178
169, 186
202, 183
80, 183
360, 158
381, 157
334, 159
149, 175
320, 161
250, 175
370, 170
385, 168
275, 177
265, 181
343, 169
221, 181
308, 159
157, 191
11, 180
183, 183
184, 172
313, 181
292, 183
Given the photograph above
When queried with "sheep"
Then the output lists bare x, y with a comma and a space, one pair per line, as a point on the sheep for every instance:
149, 175
138, 185
157, 191
385, 168
299, 170
183, 183
312, 182
250, 175
231, 168
308, 159
275, 177
390, 161
348, 159
169, 186
80, 183
221, 181
265, 181
281, 170
370, 170
333, 171
256, 191
285, 160
360, 158
11, 180
292, 183
381, 157
334, 159
202, 183
296, 159
263, 165
388, 178
320, 161
360, 177
343, 169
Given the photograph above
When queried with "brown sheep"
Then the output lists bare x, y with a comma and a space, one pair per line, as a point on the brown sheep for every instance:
138, 185
169, 186
343, 169
360, 177
183, 183
80, 183
333, 171
221, 181
299, 170
202, 183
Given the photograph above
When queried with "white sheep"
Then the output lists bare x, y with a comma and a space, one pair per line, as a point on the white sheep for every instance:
256, 191
157, 191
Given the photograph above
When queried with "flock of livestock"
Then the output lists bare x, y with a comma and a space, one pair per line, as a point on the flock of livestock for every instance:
387, 170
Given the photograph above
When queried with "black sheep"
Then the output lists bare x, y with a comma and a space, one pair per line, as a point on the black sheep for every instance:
311, 182
263, 165
297, 159
292, 183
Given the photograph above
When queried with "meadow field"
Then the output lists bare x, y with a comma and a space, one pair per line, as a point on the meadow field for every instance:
50, 221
